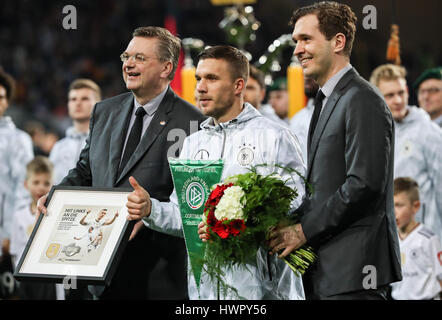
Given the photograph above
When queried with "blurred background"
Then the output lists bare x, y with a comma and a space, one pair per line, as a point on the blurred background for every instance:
44, 57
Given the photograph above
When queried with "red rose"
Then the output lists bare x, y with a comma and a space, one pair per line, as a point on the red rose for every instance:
221, 230
235, 227
216, 195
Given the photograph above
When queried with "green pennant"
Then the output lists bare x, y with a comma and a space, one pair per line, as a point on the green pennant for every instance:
192, 180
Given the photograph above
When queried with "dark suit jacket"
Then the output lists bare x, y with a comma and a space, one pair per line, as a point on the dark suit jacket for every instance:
349, 218
99, 160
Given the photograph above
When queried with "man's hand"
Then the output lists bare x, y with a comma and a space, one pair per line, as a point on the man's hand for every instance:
138, 202
288, 238
202, 232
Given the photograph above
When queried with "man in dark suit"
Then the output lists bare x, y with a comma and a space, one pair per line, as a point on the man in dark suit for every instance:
159, 120
349, 217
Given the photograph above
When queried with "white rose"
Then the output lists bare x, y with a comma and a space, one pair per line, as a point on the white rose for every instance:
230, 205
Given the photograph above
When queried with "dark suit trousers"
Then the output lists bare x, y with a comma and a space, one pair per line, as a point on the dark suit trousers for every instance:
133, 275
380, 293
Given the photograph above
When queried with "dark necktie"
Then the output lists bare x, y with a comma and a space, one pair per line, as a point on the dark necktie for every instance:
134, 137
318, 106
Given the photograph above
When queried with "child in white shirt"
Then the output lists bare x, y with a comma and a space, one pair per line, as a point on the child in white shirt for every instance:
421, 253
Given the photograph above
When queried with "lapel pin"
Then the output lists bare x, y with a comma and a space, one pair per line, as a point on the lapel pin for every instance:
162, 123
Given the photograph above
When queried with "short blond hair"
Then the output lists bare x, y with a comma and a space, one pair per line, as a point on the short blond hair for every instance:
387, 72
86, 84
39, 164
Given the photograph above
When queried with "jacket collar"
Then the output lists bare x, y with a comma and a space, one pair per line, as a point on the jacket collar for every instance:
326, 113
158, 123
247, 114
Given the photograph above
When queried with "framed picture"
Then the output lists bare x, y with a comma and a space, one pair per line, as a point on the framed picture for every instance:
81, 237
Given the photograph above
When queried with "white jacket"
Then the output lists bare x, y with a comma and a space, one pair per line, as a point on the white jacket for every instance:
418, 155
65, 153
15, 153
300, 124
248, 140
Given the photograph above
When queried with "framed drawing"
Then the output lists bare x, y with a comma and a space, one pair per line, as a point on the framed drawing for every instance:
82, 236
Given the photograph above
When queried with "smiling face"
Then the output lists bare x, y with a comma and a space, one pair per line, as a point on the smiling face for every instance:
216, 90
313, 50
148, 78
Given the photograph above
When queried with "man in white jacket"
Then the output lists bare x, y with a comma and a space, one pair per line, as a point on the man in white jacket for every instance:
418, 141
15, 152
82, 96
242, 137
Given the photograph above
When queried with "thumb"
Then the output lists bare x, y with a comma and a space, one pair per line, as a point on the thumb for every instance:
134, 183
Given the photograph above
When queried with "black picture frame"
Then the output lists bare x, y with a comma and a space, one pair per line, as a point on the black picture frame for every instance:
64, 214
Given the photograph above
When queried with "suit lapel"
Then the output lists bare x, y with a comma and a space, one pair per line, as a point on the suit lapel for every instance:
120, 124
156, 126
325, 116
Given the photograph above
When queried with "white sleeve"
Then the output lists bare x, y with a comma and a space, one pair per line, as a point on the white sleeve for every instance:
436, 256
290, 155
165, 217
21, 154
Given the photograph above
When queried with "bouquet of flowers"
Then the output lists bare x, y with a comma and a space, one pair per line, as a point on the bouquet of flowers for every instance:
240, 213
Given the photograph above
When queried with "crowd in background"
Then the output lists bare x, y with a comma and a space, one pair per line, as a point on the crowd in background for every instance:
44, 59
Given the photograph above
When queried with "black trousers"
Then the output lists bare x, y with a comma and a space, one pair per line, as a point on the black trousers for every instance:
380, 293
134, 275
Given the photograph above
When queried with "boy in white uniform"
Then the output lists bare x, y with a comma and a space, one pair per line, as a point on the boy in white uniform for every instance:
421, 253
38, 182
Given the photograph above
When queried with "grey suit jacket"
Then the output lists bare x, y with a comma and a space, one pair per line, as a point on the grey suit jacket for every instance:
349, 218
98, 167
99, 160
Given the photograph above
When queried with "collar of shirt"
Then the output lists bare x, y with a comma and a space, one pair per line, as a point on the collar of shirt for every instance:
152, 106
330, 85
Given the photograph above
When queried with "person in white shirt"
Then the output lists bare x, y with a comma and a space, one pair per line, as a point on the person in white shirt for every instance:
417, 148
83, 95
278, 99
38, 182
429, 93
255, 93
15, 151
300, 122
421, 253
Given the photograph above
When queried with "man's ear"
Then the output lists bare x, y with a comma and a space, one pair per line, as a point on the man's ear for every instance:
240, 84
339, 42
168, 66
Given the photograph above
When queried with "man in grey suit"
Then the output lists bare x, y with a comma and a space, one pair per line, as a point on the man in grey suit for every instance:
159, 120
349, 217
